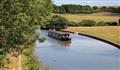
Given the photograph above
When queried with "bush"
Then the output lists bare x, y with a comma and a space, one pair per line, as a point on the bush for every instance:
112, 23
106, 23
72, 24
101, 23
57, 22
87, 23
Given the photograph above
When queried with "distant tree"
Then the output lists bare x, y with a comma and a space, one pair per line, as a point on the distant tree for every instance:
118, 10
111, 9
57, 22
103, 9
87, 9
61, 10
72, 9
78, 9
95, 8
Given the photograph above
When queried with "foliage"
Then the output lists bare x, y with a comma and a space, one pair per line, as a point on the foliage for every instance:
92, 23
113, 9
57, 22
87, 23
107, 24
103, 9
95, 7
72, 24
112, 23
72, 9
17, 18
101, 23
29, 61
79, 9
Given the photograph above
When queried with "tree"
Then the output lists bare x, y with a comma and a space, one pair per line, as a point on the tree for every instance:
118, 10
95, 7
103, 9
17, 18
57, 22
111, 9
87, 9
72, 9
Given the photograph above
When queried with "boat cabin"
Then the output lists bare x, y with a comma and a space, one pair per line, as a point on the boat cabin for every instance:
59, 35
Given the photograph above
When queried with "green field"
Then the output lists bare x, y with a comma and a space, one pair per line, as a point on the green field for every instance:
96, 17
110, 33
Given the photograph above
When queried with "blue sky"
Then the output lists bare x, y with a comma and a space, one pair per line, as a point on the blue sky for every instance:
89, 2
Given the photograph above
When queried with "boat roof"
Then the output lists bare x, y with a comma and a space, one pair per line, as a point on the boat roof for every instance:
60, 32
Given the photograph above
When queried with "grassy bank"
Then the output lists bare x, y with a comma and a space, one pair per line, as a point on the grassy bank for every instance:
96, 17
110, 33
30, 61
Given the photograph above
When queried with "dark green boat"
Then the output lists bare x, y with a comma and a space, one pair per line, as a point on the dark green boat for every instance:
59, 35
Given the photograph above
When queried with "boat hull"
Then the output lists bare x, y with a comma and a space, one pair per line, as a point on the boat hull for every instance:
59, 36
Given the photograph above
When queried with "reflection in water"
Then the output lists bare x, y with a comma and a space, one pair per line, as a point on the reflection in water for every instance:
81, 53
65, 43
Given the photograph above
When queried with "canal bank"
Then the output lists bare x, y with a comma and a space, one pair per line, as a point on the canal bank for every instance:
30, 61
106, 41
81, 53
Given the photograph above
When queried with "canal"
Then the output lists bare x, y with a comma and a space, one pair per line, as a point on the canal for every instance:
81, 53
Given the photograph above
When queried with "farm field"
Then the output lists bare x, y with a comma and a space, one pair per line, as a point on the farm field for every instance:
110, 33
96, 17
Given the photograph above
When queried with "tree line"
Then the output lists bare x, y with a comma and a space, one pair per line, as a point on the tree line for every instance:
79, 9
59, 22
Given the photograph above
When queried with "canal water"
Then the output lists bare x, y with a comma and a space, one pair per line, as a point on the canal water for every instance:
81, 53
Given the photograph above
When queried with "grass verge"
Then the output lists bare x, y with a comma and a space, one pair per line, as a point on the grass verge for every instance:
30, 61
109, 33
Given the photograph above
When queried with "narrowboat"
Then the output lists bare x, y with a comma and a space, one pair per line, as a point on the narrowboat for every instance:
59, 35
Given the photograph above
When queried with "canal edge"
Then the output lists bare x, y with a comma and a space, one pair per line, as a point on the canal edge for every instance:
97, 38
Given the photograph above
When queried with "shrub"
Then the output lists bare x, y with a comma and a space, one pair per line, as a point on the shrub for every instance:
57, 22
101, 23
87, 23
112, 23
72, 24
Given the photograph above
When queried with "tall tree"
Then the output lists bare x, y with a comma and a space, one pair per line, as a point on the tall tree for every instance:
17, 18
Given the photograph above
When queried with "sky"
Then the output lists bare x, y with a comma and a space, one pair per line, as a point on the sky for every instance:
89, 2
